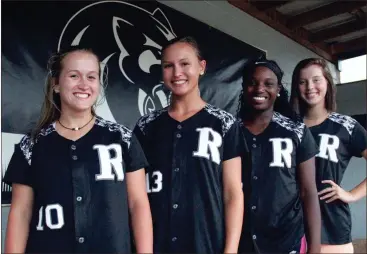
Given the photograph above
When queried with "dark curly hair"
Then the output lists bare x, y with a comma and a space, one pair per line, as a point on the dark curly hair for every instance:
281, 104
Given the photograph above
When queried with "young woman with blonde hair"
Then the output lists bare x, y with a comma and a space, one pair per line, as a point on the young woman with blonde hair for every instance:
76, 177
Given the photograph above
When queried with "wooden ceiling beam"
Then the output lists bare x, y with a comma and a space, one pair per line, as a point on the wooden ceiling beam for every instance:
266, 5
352, 45
350, 54
323, 12
277, 21
339, 30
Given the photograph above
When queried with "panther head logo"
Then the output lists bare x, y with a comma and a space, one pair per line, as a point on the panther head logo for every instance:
128, 39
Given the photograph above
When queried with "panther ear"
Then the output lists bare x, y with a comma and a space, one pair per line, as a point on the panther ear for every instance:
161, 17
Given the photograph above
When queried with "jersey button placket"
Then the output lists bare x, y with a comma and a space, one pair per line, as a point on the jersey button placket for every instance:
73, 152
178, 134
256, 151
254, 142
76, 174
74, 157
80, 239
176, 163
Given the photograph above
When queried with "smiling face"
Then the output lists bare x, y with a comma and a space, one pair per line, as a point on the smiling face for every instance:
313, 85
78, 83
181, 68
261, 91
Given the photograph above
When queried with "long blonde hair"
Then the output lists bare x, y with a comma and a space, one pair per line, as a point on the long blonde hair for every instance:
51, 107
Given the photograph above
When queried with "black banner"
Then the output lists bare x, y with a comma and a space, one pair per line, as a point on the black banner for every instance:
127, 36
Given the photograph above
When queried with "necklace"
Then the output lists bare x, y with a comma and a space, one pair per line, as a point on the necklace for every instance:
76, 128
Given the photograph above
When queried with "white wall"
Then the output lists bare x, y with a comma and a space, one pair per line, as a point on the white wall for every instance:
233, 21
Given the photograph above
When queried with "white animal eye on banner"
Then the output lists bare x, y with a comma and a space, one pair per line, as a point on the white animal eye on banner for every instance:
128, 38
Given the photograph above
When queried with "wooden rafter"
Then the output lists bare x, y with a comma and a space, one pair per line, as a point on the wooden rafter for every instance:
339, 30
323, 12
264, 5
352, 45
278, 21
350, 54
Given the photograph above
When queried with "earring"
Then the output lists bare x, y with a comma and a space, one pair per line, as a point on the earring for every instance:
278, 94
56, 91
202, 73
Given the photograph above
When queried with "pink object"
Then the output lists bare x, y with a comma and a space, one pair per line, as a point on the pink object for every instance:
303, 245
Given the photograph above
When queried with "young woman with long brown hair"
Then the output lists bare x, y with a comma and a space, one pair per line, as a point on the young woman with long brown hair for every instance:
339, 137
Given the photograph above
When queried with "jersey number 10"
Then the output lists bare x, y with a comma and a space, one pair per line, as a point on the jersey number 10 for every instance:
49, 223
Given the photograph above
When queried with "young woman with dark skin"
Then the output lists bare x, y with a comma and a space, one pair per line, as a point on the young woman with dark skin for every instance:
282, 176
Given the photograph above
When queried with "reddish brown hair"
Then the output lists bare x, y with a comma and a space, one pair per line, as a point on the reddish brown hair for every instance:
296, 101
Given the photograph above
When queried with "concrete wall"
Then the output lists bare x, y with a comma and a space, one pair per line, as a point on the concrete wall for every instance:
352, 100
354, 174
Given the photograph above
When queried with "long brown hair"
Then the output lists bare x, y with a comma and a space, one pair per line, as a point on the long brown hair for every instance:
51, 107
296, 101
